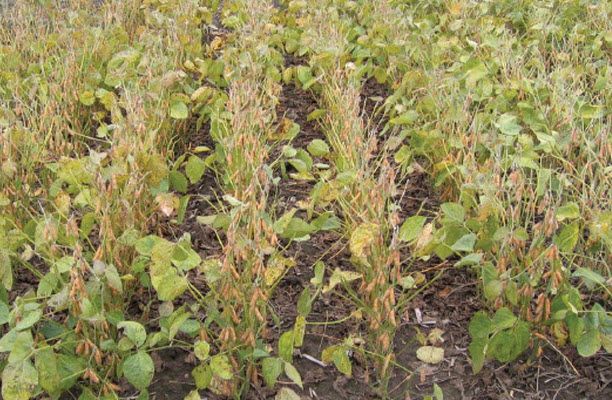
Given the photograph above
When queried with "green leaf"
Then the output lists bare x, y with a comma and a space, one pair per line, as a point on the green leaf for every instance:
493, 289
437, 392
326, 221
480, 325
465, 243
285, 346
112, 278
304, 303
508, 125
184, 257
469, 260
411, 228
316, 114
319, 272
193, 395
87, 97
339, 276
430, 354
6, 270
134, 331
477, 349
293, 374
48, 375
589, 276
568, 211
202, 375
454, 211
21, 347
299, 329
194, 169
169, 286
342, 361
178, 181
201, 350
138, 369
19, 381
318, 148
29, 319
589, 343
503, 319
406, 118
304, 74
4, 313
507, 345
297, 228
179, 110
403, 155
567, 239
271, 368
576, 327
144, 246
70, 368
477, 70
221, 367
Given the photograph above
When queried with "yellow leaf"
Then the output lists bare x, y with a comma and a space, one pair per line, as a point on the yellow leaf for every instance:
430, 354
363, 238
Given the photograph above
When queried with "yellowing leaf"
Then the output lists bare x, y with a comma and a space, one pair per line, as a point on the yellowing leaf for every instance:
299, 329
362, 238
430, 354
339, 276
179, 110
286, 394
221, 367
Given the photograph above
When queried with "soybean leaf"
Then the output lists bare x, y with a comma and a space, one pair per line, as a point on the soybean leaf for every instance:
293, 374
221, 367
412, 228
134, 331
271, 368
139, 369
